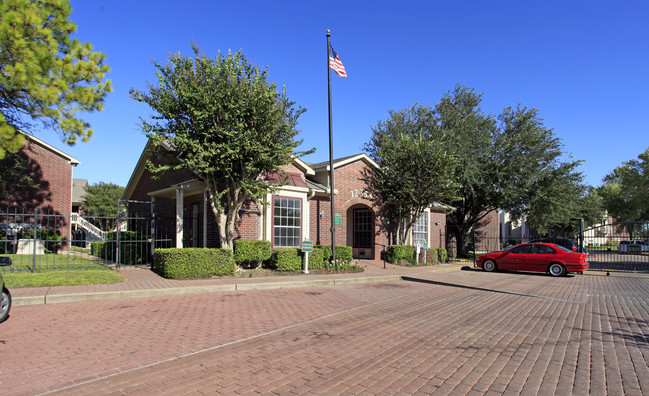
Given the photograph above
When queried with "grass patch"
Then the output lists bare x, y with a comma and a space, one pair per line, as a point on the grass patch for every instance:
22, 262
62, 278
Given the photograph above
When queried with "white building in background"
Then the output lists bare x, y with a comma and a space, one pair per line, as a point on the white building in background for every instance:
512, 231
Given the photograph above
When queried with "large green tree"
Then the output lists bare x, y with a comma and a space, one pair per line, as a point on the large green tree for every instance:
100, 204
626, 192
511, 161
46, 77
414, 172
221, 119
100, 199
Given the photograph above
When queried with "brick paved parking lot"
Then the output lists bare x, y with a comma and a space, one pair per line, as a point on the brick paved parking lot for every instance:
466, 332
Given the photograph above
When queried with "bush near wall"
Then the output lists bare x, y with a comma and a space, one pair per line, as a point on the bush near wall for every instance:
134, 248
442, 255
342, 252
193, 262
316, 259
288, 259
251, 254
400, 254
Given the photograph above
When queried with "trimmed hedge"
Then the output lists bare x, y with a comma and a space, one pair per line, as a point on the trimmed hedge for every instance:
288, 259
342, 252
442, 255
193, 262
251, 254
395, 254
134, 248
316, 259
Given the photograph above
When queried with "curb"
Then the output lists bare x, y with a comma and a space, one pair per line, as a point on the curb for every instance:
78, 297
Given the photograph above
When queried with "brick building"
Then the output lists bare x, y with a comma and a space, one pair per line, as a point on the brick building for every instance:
300, 210
51, 171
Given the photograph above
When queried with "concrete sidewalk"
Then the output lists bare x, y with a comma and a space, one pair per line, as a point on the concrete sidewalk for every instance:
145, 283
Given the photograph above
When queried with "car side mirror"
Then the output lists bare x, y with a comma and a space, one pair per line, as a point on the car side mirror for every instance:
5, 261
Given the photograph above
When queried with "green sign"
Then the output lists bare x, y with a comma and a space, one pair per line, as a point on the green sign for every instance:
338, 219
307, 246
425, 246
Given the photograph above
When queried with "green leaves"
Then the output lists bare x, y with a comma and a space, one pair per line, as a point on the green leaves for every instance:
414, 172
45, 76
221, 119
626, 190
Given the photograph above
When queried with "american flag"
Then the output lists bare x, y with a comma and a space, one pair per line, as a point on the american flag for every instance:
335, 63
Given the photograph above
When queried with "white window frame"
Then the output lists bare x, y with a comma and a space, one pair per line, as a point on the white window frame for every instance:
417, 229
288, 218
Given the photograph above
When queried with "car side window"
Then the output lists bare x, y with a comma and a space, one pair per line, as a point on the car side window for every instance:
524, 249
543, 249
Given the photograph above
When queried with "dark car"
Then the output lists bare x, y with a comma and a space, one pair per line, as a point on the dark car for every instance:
567, 243
539, 257
5, 302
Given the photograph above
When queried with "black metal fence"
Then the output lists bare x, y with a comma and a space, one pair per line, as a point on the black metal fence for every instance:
621, 246
42, 241
610, 247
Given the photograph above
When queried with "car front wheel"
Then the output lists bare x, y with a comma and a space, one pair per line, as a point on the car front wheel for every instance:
489, 266
5, 305
557, 270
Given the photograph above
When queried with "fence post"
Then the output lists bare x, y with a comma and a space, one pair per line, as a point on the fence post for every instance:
474, 245
117, 225
34, 241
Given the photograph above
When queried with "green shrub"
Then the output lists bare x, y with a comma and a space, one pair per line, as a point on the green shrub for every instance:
193, 262
316, 259
342, 252
288, 259
251, 254
51, 238
396, 254
134, 248
442, 255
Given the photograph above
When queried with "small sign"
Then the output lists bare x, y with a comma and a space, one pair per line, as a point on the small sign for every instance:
635, 249
425, 246
307, 246
338, 219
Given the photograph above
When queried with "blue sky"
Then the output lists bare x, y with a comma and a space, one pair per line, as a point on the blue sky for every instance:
583, 64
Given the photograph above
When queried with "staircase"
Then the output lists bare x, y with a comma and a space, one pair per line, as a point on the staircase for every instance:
94, 233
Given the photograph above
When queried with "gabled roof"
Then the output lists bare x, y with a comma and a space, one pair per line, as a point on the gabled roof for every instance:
140, 167
338, 162
73, 161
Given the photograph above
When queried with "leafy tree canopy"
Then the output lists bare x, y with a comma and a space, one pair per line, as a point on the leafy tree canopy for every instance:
414, 172
626, 191
45, 76
510, 161
224, 121
101, 199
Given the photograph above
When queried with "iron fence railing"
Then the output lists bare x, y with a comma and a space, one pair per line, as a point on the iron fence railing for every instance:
42, 241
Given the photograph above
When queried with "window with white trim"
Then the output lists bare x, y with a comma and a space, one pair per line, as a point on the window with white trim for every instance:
287, 222
420, 230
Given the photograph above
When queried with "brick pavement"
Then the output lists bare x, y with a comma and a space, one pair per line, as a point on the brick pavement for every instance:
500, 333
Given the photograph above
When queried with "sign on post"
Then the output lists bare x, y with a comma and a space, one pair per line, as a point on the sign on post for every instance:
307, 246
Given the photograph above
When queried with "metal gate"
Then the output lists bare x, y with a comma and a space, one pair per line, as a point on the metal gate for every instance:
45, 241
621, 246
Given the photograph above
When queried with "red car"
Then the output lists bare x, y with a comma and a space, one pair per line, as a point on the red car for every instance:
538, 257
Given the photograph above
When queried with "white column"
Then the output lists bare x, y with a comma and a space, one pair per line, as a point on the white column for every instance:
179, 217
206, 207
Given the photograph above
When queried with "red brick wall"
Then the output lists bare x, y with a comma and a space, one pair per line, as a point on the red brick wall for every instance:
350, 187
54, 173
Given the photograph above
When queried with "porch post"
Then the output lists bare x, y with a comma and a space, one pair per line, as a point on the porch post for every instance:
205, 208
179, 217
